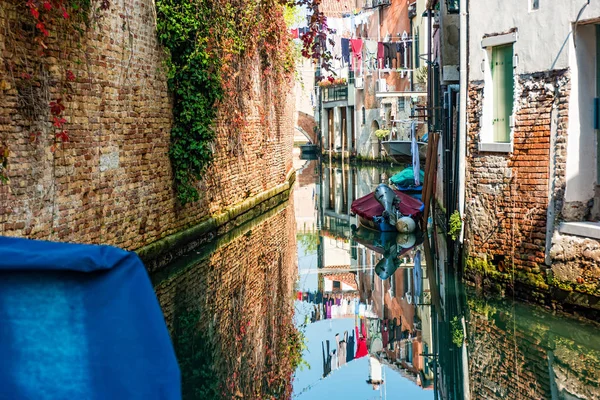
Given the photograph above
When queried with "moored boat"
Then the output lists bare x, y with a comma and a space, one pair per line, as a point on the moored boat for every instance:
400, 150
388, 210
405, 182
392, 245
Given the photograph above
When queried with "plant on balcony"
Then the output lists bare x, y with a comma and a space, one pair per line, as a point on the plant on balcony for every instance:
421, 74
331, 82
382, 133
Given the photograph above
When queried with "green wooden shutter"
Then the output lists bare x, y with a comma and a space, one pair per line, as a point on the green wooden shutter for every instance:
502, 77
417, 52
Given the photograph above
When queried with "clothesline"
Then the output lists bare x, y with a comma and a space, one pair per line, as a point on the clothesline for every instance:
407, 121
380, 40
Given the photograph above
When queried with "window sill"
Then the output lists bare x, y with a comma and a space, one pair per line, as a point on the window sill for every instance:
496, 147
584, 229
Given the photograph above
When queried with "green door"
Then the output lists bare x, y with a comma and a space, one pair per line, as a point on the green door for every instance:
502, 77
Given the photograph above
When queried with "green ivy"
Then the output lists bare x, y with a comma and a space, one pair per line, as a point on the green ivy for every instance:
457, 332
455, 224
196, 359
185, 29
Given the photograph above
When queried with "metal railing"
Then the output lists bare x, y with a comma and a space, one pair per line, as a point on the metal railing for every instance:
452, 6
377, 3
336, 93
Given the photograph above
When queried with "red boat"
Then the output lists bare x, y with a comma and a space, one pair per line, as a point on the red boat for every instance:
370, 211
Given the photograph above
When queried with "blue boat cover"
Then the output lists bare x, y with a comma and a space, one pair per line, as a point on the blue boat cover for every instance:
81, 322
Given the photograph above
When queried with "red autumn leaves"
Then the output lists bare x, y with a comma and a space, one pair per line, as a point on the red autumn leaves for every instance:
44, 12
61, 136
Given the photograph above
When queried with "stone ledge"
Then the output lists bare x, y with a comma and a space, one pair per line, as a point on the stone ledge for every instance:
583, 229
496, 147
212, 224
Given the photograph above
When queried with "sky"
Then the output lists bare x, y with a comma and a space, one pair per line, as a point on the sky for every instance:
348, 382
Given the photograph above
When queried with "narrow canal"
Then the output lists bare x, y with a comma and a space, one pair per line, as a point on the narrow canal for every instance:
298, 304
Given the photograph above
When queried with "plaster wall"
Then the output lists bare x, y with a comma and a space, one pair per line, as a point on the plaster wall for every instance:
543, 35
366, 140
581, 139
305, 83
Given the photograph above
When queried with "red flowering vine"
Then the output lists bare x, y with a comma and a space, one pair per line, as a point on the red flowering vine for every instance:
48, 15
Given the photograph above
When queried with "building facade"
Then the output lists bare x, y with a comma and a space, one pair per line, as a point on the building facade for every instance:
379, 75
531, 204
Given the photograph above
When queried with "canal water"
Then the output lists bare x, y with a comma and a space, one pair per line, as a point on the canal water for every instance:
299, 304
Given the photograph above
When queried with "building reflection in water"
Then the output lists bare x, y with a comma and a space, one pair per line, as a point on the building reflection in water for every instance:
229, 308
418, 319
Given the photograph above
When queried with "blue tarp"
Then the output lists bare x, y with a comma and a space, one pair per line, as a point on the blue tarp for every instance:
81, 322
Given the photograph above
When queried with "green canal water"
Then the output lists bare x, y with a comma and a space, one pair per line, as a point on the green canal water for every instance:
248, 313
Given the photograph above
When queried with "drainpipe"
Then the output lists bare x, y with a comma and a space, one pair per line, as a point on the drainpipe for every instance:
412, 73
463, 7
429, 70
462, 112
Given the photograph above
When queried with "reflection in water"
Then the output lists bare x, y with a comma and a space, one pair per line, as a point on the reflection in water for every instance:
229, 309
379, 321
415, 318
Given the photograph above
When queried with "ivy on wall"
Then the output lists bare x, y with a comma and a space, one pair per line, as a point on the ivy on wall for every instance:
208, 42
185, 28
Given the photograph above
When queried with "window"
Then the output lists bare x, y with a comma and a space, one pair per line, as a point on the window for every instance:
534, 5
417, 51
498, 93
452, 6
364, 116
401, 104
503, 96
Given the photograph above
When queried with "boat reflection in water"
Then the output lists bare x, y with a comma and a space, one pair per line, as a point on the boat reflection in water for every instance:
434, 338
391, 245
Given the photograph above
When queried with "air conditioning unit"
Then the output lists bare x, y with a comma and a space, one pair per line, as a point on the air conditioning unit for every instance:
381, 85
359, 83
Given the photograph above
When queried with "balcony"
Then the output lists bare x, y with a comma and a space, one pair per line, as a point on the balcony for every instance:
377, 3
452, 6
335, 93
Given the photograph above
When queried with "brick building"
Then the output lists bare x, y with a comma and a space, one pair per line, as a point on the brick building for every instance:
112, 182
230, 311
377, 89
531, 158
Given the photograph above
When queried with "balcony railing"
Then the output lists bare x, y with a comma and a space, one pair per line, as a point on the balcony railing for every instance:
377, 3
452, 6
336, 93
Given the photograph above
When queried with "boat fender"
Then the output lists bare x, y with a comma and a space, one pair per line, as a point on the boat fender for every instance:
405, 225
406, 240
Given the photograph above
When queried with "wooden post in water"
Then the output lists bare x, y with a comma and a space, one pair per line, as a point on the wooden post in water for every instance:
431, 166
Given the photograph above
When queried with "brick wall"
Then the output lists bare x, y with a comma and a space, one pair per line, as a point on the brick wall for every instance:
507, 194
510, 352
112, 183
242, 293
307, 122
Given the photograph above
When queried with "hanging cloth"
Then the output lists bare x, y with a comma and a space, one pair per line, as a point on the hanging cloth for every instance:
418, 276
371, 54
400, 55
335, 48
415, 153
356, 46
350, 346
346, 50
389, 54
380, 54
361, 345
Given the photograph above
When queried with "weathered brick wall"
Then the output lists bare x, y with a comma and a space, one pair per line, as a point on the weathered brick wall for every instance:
510, 352
242, 294
507, 193
307, 122
112, 183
